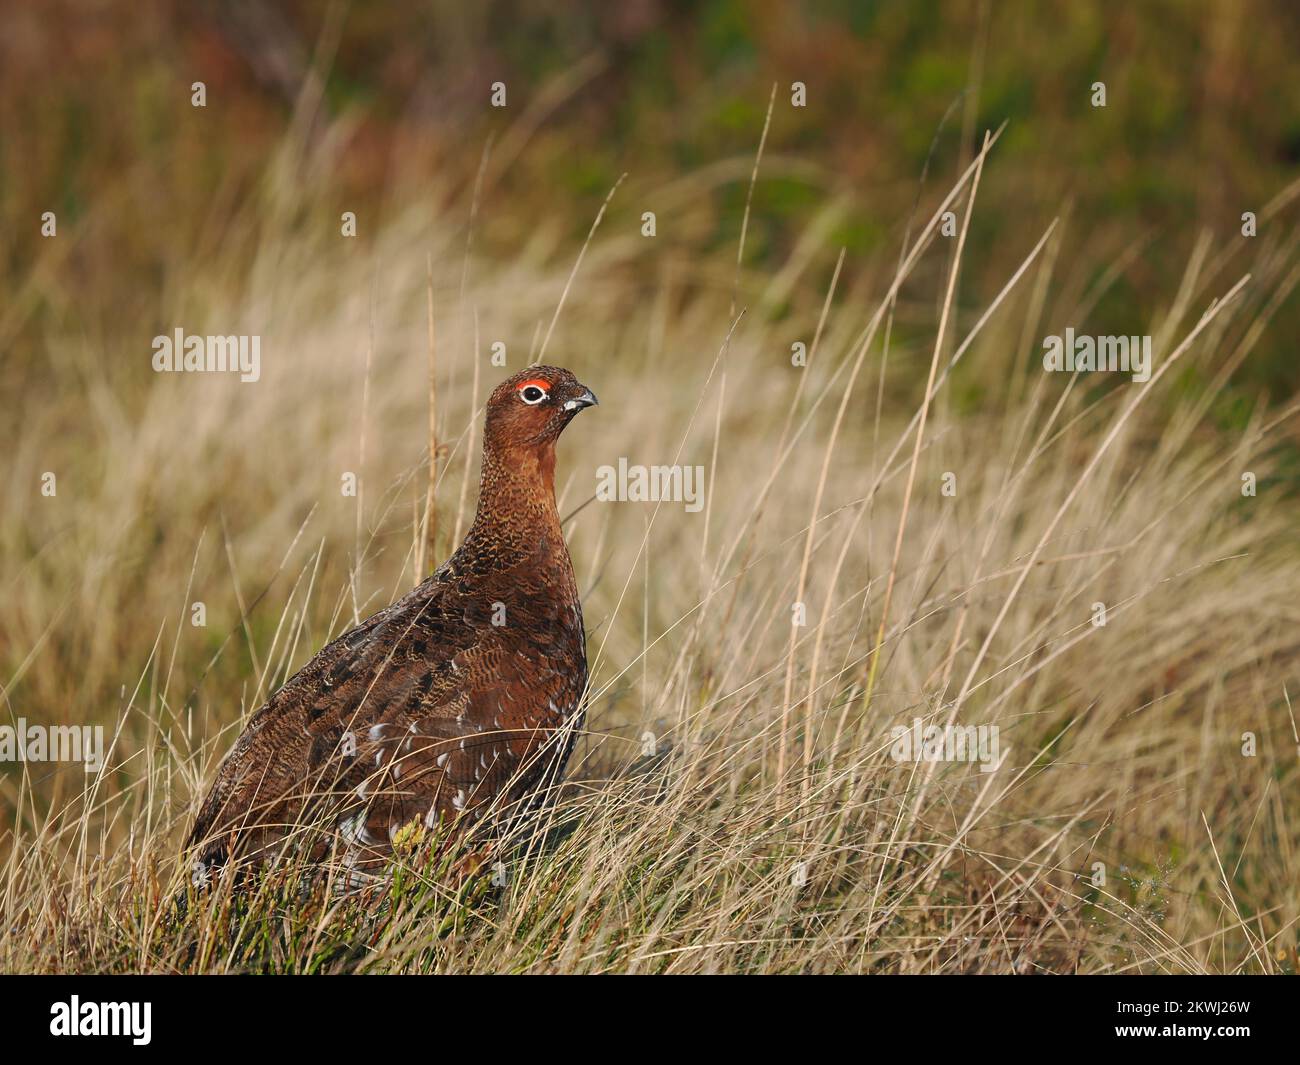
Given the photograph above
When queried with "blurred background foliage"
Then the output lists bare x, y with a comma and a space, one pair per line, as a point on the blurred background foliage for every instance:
1202, 123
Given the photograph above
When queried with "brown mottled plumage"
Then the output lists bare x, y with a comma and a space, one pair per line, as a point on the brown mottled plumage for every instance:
461, 698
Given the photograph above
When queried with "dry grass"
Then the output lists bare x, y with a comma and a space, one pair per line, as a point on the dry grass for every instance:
772, 832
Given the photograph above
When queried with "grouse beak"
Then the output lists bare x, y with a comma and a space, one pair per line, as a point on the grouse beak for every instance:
586, 398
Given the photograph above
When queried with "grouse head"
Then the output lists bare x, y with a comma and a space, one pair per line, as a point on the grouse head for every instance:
527, 412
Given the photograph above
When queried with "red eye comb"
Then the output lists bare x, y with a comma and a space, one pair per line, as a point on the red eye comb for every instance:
545, 386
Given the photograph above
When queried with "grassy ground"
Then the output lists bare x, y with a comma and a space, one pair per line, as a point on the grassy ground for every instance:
734, 805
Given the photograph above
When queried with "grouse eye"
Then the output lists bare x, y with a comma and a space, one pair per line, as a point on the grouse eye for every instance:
532, 394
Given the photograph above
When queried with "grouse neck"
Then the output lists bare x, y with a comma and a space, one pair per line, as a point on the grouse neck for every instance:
516, 495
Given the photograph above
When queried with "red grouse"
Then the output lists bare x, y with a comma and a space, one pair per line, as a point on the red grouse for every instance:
460, 700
